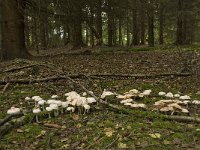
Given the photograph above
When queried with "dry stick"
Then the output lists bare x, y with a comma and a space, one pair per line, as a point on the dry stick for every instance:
183, 118
9, 117
5, 87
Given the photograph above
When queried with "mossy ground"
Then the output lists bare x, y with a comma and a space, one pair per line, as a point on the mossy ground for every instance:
103, 128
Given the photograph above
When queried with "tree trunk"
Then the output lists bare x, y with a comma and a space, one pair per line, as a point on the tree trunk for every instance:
120, 32
179, 38
161, 23
142, 23
135, 24
110, 26
150, 24
127, 29
13, 36
99, 23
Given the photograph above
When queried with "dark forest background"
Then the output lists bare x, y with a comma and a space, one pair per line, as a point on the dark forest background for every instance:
45, 24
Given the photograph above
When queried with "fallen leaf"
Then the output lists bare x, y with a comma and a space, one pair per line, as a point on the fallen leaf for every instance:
122, 145
155, 135
75, 117
108, 132
20, 131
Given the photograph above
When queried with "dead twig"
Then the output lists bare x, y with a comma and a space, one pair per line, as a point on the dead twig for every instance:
5, 87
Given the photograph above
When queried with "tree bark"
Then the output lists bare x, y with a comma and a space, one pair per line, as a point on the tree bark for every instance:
161, 23
13, 36
135, 24
142, 23
179, 38
99, 23
110, 25
150, 24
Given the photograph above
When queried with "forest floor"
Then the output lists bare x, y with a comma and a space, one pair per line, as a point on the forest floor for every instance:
103, 127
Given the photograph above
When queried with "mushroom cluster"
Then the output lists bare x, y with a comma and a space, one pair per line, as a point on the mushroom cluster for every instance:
171, 106
54, 106
128, 99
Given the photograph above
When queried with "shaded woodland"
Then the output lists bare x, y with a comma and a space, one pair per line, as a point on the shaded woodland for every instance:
99, 74
41, 25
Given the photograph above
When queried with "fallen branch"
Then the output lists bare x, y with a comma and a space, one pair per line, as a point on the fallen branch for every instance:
78, 76
9, 117
5, 87
183, 119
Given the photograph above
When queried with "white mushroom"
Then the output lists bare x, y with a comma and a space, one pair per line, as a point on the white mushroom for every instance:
185, 97
169, 95
84, 94
86, 108
106, 93
177, 95
42, 103
55, 109
91, 100
147, 92
49, 110
71, 109
161, 93
64, 106
54, 96
13, 111
36, 111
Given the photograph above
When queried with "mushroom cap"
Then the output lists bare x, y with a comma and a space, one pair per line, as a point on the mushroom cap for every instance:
13, 111
142, 105
86, 106
37, 98
147, 92
49, 109
27, 98
138, 106
42, 102
177, 95
185, 111
161, 93
84, 94
54, 106
133, 91
59, 103
126, 101
169, 95
52, 101
36, 110
127, 104
54, 96
71, 109
166, 109
64, 104
72, 93
185, 97
106, 93
91, 100
197, 102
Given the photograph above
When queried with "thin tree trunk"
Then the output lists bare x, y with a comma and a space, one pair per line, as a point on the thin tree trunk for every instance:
135, 24
161, 23
120, 32
179, 38
99, 23
110, 26
142, 23
150, 24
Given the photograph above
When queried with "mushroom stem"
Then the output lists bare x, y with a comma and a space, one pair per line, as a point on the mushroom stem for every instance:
49, 114
36, 118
